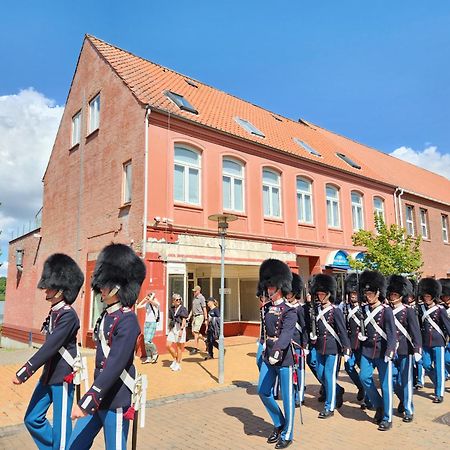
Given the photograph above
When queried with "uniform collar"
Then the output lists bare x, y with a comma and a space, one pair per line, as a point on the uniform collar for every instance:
113, 308
278, 302
58, 306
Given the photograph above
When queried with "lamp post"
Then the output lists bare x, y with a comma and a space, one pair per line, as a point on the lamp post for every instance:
222, 223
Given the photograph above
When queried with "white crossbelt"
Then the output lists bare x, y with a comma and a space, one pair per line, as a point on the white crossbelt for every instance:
426, 315
321, 316
78, 364
399, 326
370, 319
352, 315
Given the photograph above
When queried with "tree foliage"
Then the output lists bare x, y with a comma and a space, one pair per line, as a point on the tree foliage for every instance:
389, 250
2, 288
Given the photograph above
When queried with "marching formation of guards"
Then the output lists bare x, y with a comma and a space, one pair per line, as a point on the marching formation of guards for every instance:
392, 325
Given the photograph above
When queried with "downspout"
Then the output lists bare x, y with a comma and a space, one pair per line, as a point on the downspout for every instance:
144, 218
396, 206
400, 207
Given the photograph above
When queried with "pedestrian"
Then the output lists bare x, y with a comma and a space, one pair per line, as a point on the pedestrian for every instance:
212, 326
435, 325
378, 346
198, 315
409, 347
332, 341
62, 280
445, 298
152, 315
109, 403
278, 358
176, 338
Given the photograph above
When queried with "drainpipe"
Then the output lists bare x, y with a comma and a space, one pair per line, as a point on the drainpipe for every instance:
144, 218
395, 205
400, 207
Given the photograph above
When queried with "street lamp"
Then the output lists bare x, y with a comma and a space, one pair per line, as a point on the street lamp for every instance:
222, 223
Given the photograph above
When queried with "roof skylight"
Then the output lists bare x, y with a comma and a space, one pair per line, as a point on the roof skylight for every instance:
181, 102
249, 127
348, 160
306, 147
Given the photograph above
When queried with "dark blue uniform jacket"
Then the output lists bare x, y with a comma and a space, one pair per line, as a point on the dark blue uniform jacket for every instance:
326, 343
430, 336
408, 319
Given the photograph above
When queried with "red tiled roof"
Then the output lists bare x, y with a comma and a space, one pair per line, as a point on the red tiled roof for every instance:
148, 82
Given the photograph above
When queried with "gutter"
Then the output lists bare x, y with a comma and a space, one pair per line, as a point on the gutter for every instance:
144, 217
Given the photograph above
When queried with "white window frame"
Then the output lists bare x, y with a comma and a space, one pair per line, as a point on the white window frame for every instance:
330, 201
76, 129
233, 178
444, 223
186, 168
92, 319
409, 220
423, 213
301, 201
94, 114
357, 211
127, 186
271, 186
379, 211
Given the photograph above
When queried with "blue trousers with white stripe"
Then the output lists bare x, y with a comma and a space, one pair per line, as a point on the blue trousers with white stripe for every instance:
300, 392
434, 366
327, 374
115, 430
447, 360
350, 368
46, 436
267, 376
402, 373
368, 365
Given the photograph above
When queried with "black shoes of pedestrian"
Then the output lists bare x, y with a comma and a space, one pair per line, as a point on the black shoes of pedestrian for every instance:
378, 415
209, 357
282, 443
274, 436
193, 351
418, 386
360, 395
340, 399
325, 414
401, 408
438, 399
385, 425
408, 418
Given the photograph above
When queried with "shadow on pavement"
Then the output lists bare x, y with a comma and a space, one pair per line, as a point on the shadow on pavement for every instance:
250, 388
355, 413
253, 425
252, 354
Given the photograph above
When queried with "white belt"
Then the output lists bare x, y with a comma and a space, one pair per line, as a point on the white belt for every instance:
370, 319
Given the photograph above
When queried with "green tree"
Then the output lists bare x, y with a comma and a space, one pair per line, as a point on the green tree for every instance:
2, 288
389, 250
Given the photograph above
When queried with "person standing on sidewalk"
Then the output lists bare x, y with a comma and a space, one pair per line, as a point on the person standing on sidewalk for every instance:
152, 314
278, 358
445, 297
177, 331
198, 315
212, 327
62, 280
108, 403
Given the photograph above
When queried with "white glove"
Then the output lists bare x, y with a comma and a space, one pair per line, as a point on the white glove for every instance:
306, 352
273, 361
387, 359
312, 337
362, 338
417, 357
346, 358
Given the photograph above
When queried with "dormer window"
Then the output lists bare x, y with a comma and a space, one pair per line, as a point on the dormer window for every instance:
249, 127
181, 102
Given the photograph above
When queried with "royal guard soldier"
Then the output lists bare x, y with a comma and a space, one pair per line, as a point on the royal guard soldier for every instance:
332, 341
261, 295
62, 280
409, 347
378, 346
300, 339
435, 325
355, 325
118, 276
278, 359
445, 298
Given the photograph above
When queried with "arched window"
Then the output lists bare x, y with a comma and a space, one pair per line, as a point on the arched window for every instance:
357, 211
186, 179
378, 207
271, 193
333, 213
304, 200
233, 185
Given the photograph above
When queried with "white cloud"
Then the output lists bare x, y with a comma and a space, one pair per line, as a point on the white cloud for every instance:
429, 158
28, 125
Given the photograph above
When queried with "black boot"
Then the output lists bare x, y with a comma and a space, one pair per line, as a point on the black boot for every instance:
438, 399
408, 418
275, 435
340, 399
325, 414
283, 444
378, 415
401, 408
360, 395
385, 425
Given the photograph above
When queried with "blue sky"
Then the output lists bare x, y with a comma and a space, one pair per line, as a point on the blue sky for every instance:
376, 71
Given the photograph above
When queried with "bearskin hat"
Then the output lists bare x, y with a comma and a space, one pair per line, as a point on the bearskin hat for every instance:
445, 285
61, 272
372, 280
429, 286
260, 289
398, 284
324, 283
351, 283
275, 273
118, 265
297, 285
411, 286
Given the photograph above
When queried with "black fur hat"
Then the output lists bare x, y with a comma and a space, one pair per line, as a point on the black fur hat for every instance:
445, 285
411, 287
297, 285
351, 283
118, 265
323, 283
398, 284
430, 286
61, 272
372, 280
275, 273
